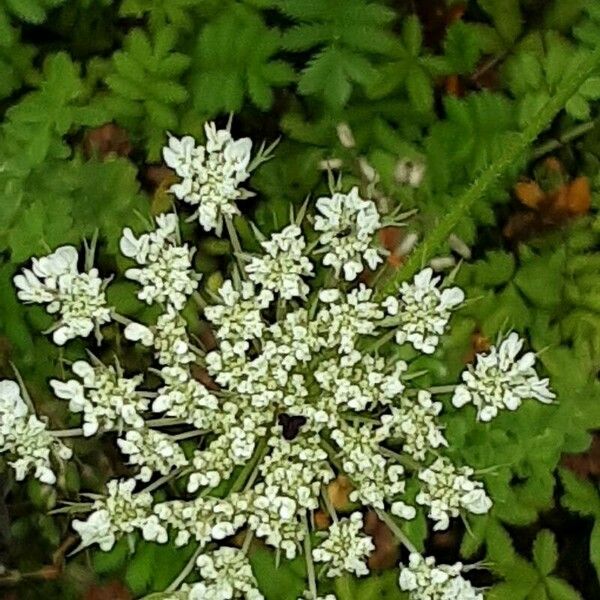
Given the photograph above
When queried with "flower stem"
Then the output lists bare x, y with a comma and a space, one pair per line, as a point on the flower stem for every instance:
174, 586
566, 137
514, 148
235, 243
249, 468
310, 566
247, 541
396, 530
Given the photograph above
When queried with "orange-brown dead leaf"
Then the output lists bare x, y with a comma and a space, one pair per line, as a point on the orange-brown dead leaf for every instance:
529, 193
338, 491
479, 344
454, 86
579, 196
551, 208
322, 520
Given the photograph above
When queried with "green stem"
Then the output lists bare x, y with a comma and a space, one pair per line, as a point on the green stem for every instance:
343, 588
249, 467
396, 530
310, 566
566, 137
515, 147
185, 572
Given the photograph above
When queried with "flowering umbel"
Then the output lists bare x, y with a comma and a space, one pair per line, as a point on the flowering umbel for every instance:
294, 392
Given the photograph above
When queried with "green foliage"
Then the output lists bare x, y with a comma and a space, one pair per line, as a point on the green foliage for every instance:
30, 11
145, 85
234, 60
348, 35
302, 67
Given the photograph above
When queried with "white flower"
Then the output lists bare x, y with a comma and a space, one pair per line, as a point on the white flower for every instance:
216, 462
211, 175
78, 298
226, 575
166, 275
238, 316
348, 223
374, 478
184, 397
299, 468
11, 401
447, 489
501, 381
106, 398
118, 513
413, 421
273, 515
202, 519
423, 580
153, 451
283, 265
345, 549
344, 318
26, 439
423, 311
168, 337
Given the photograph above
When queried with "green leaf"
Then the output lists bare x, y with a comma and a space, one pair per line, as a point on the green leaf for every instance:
580, 496
545, 552
412, 35
595, 546
420, 89
560, 590
286, 581
141, 567
113, 560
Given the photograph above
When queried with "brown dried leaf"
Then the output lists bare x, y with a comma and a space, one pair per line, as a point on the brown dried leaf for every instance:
106, 140
110, 591
338, 491
387, 552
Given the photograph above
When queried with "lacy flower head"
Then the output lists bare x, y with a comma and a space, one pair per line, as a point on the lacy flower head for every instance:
236, 442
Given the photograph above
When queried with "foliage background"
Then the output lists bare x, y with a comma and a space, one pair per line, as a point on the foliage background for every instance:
88, 89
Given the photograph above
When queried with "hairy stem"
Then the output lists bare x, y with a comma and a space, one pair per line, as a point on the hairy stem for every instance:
515, 147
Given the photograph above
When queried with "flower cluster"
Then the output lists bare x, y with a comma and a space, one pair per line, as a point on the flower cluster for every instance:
423, 580
447, 489
78, 298
283, 265
25, 438
165, 267
106, 398
153, 451
226, 575
210, 175
413, 421
119, 512
345, 549
298, 386
347, 224
499, 380
423, 311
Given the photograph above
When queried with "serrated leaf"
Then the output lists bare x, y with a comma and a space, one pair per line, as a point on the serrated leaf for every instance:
580, 496
545, 552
